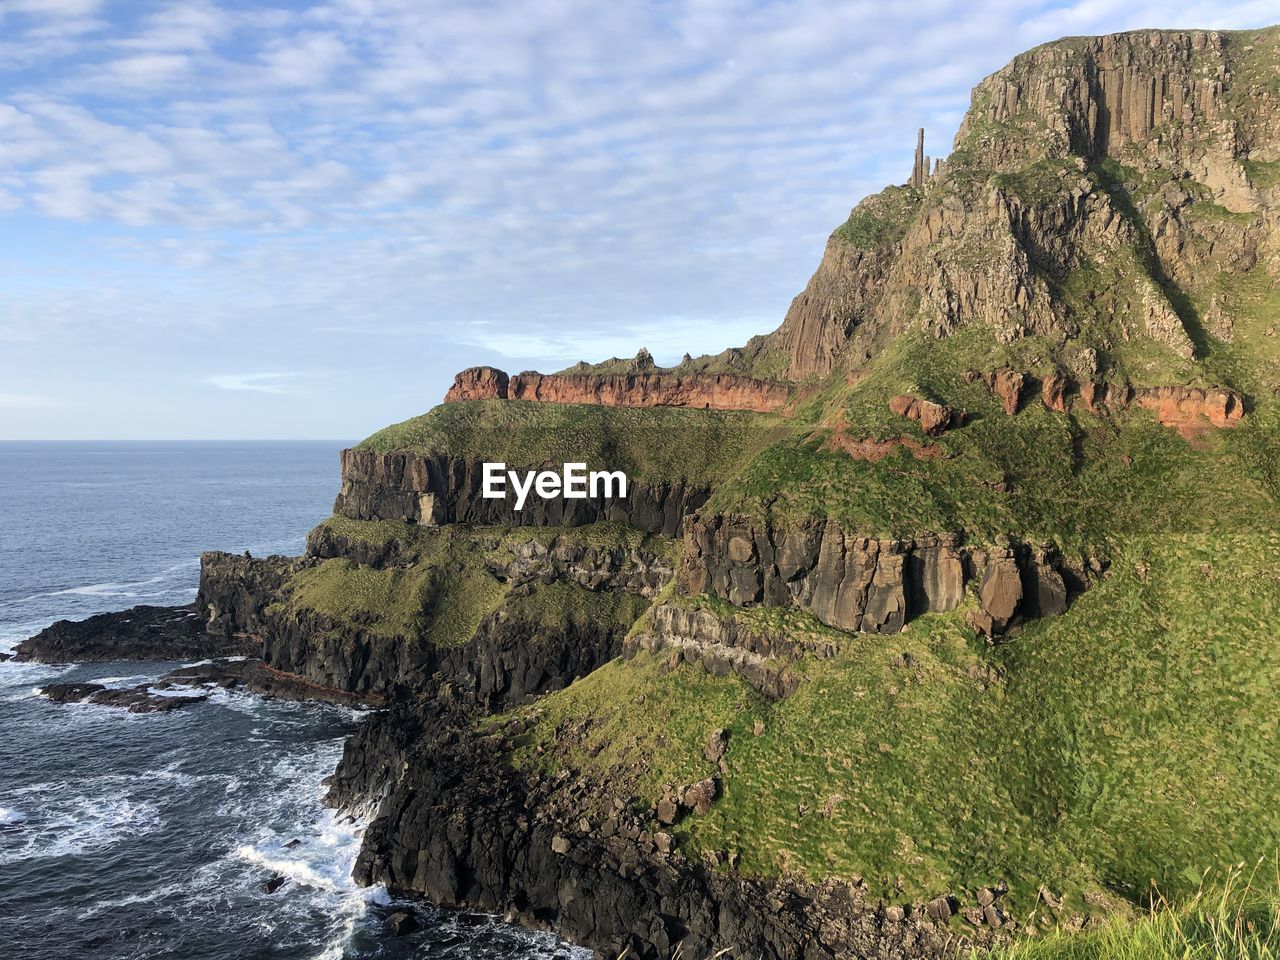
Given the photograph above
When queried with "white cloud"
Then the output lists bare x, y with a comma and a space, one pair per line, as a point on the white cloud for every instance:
255, 382
551, 180
24, 400
143, 69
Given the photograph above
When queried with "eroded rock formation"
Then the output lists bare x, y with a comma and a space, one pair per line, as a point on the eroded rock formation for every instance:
934, 418
436, 489
1189, 410
1031, 194
857, 583
651, 389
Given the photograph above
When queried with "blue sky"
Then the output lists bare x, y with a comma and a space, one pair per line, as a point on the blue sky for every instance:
248, 220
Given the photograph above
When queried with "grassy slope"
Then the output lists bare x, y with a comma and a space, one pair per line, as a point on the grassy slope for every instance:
656, 444
1131, 739
1233, 917
446, 588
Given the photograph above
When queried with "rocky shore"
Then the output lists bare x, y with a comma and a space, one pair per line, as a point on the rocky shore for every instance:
456, 823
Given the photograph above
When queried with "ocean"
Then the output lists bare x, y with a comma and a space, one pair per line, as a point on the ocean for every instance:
148, 835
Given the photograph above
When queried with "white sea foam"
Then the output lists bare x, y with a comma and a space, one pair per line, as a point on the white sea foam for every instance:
10, 816
84, 824
121, 681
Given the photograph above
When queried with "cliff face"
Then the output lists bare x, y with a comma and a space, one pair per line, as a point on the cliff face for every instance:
457, 823
1155, 149
244, 606
697, 391
433, 490
856, 583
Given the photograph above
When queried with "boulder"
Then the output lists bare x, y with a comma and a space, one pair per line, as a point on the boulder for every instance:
271, 884
934, 418
716, 746
402, 922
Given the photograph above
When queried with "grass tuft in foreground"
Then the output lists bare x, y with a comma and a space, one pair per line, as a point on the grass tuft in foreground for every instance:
1235, 919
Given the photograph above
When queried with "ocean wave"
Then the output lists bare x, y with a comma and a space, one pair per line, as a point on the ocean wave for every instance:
85, 824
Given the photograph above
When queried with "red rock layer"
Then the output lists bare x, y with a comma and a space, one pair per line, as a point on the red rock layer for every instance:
1189, 410
865, 448
700, 391
478, 383
934, 418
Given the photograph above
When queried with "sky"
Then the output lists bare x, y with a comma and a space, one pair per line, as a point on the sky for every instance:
238, 219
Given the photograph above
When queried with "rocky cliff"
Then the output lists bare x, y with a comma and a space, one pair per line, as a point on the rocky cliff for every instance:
857, 583
636, 389
433, 490
509, 656
1155, 151
839, 682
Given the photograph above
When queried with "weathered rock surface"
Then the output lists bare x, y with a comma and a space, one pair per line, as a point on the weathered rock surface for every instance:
457, 824
1189, 410
857, 583
436, 489
723, 647
934, 418
649, 389
981, 240
139, 699
498, 666
866, 448
636, 570
140, 633
254, 676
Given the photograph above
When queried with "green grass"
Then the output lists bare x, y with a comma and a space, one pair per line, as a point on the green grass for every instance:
1234, 919
1264, 174
1130, 740
442, 586
649, 444
1080, 480
881, 219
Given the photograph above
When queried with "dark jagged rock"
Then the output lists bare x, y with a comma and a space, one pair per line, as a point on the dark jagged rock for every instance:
862, 584
436, 489
402, 923
140, 633
271, 884
137, 699
264, 680
497, 666
457, 824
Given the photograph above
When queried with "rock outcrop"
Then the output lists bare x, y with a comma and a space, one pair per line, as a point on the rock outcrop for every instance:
138, 699
436, 489
649, 389
871, 449
723, 647
478, 383
856, 583
139, 633
656, 389
500, 665
457, 823
1189, 410
636, 570
1031, 194
934, 418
